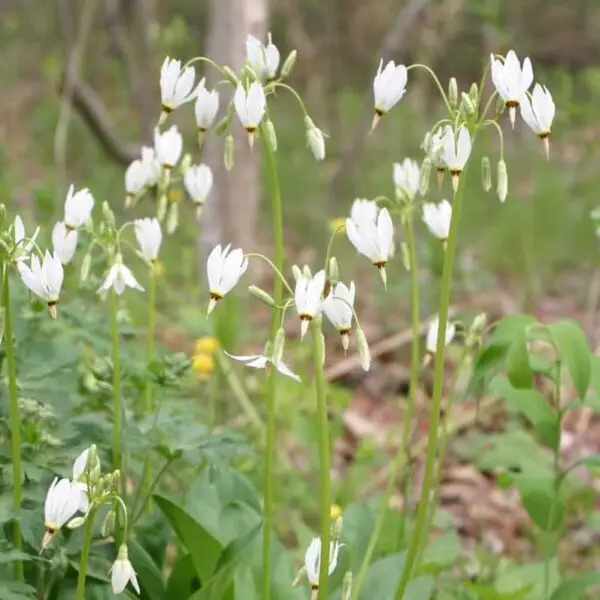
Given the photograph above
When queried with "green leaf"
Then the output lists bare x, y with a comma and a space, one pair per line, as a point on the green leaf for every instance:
575, 589
204, 549
543, 501
534, 407
442, 552
16, 590
529, 579
183, 580
517, 363
575, 352
150, 576
592, 461
510, 326
221, 582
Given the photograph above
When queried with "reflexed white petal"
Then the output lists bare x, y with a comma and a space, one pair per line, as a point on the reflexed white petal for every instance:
285, 370
168, 146
338, 305
78, 207
432, 334
389, 86
61, 504
437, 217
407, 177
206, 106
198, 181
64, 242
149, 237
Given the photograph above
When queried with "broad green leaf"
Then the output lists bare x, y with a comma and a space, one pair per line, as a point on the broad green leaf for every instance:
517, 363
488, 363
575, 352
442, 552
543, 501
529, 579
16, 590
592, 461
183, 580
149, 574
383, 578
220, 585
202, 546
511, 325
576, 588
534, 407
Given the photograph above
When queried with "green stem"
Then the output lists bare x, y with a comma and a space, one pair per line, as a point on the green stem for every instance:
324, 450
420, 532
550, 538
442, 448
148, 403
277, 222
116, 381
85, 554
15, 419
404, 448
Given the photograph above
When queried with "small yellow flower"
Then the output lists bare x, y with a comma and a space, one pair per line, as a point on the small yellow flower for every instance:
336, 224
203, 365
336, 512
158, 268
175, 195
206, 345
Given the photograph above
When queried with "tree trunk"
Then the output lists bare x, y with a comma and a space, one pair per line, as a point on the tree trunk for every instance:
231, 211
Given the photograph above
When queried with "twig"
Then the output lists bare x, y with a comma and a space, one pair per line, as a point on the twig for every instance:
72, 70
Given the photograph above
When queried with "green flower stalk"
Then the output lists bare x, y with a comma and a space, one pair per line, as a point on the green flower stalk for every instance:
15, 419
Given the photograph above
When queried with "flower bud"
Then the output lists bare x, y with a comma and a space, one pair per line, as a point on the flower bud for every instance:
161, 210
306, 272
364, 355
76, 522
230, 74
268, 351
261, 295
502, 185
222, 125
474, 93
108, 214
289, 64
186, 163
271, 135
336, 529
467, 104
486, 174
228, 153
347, 586
453, 92
425, 176
333, 271
115, 480
85, 267
405, 254
173, 218
278, 345
322, 346
108, 524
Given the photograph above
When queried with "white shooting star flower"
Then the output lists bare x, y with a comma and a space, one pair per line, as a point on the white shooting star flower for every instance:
64, 242
176, 85
511, 80
456, 152
432, 335
264, 60
149, 237
119, 277
168, 146
307, 296
389, 86
371, 232
61, 505
122, 573
206, 107
24, 246
250, 107
338, 309
312, 560
407, 178
224, 269
78, 207
260, 361
539, 113
198, 181
437, 217
45, 279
